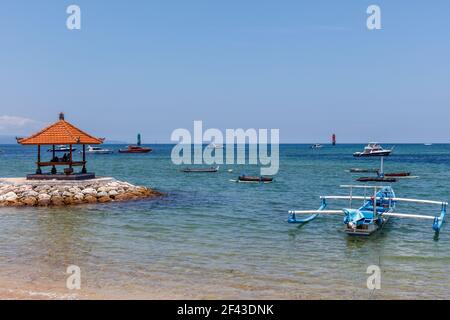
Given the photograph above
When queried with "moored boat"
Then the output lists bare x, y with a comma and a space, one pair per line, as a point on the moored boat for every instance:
62, 148
262, 179
201, 170
373, 149
136, 148
98, 150
375, 211
316, 146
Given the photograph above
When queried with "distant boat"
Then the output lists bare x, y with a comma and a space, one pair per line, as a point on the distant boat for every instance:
316, 146
62, 148
215, 146
373, 149
427, 144
261, 179
201, 170
136, 149
363, 170
98, 150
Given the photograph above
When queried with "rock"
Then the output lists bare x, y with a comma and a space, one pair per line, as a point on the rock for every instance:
113, 193
123, 197
30, 193
102, 194
104, 199
57, 201
30, 201
90, 191
67, 194
75, 190
44, 199
78, 196
90, 199
10, 197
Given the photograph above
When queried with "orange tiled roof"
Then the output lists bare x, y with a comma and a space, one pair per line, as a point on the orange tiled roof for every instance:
61, 132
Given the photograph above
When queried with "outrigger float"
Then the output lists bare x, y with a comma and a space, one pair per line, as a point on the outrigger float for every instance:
373, 214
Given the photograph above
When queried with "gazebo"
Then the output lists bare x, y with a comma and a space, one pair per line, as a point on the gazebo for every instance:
60, 133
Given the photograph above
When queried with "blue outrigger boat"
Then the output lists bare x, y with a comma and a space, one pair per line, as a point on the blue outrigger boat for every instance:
376, 210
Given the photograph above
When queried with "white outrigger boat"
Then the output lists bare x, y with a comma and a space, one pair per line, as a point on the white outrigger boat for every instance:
373, 214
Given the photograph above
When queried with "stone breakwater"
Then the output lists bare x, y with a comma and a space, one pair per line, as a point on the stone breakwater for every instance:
21, 192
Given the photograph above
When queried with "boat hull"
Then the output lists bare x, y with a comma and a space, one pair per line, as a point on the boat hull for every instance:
397, 174
373, 154
142, 150
376, 179
366, 230
254, 179
200, 170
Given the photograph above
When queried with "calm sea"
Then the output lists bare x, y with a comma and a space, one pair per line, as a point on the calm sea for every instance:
212, 238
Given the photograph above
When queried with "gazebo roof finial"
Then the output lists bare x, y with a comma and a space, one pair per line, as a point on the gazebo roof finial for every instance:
61, 116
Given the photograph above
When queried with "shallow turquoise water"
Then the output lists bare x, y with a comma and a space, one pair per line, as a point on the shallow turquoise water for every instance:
212, 238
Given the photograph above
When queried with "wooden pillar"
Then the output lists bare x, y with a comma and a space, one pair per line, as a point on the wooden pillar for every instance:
53, 157
84, 159
70, 165
38, 170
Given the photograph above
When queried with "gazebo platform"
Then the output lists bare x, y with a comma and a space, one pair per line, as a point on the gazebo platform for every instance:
61, 176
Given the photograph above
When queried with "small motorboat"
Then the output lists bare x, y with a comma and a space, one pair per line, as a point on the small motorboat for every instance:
202, 170
260, 179
316, 146
98, 150
136, 149
62, 148
373, 149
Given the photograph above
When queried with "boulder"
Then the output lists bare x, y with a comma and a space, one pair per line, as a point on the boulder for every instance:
78, 196
57, 201
30, 193
90, 199
104, 199
90, 191
29, 201
113, 193
44, 199
102, 194
67, 194
10, 197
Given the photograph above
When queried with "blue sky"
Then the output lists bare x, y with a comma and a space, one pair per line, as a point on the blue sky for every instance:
309, 68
